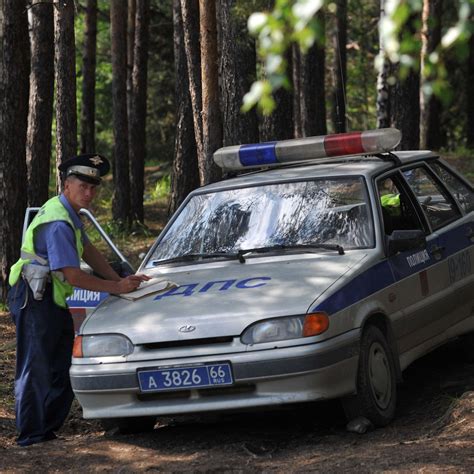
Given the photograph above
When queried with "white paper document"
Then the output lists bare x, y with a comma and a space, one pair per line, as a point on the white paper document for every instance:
155, 285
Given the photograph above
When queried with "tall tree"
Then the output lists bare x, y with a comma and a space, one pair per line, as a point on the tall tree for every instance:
309, 87
340, 68
118, 26
431, 135
88, 78
405, 100
211, 124
185, 174
40, 117
65, 66
137, 119
383, 88
470, 92
14, 67
237, 65
132, 10
190, 12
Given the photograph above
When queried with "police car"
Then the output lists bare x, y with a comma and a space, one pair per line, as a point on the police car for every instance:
322, 275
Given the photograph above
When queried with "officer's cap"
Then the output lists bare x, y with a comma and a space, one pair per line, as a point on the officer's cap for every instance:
88, 167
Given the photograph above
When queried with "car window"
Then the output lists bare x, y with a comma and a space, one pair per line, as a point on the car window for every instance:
329, 211
438, 207
397, 210
458, 188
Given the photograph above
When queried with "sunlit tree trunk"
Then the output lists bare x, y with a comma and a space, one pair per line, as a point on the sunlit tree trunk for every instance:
383, 88
14, 69
88, 79
138, 109
185, 174
211, 123
65, 66
40, 117
121, 198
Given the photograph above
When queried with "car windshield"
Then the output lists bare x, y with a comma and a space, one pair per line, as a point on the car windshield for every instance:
322, 211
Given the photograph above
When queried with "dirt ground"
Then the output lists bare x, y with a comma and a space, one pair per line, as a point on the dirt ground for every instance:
433, 432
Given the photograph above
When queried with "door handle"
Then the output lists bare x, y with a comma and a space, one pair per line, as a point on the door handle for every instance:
470, 234
437, 251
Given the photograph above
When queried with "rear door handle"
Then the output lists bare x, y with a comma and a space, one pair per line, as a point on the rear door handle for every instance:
470, 234
437, 251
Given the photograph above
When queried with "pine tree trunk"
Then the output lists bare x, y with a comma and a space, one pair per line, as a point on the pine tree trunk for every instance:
383, 88
138, 109
65, 66
38, 143
405, 103
185, 173
132, 10
237, 65
190, 14
340, 67
121, 198
431, 135
470, 92
88, 79
14, 69
211, 123
309, 87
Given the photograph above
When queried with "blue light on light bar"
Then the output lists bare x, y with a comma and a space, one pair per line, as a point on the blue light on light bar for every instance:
258, 154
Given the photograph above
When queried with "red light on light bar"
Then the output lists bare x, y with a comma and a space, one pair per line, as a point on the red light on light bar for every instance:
344, 144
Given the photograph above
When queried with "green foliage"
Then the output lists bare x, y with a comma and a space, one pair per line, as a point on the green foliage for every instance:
293, 21
162, 188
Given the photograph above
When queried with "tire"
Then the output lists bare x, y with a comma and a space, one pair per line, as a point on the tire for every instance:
132, 425
376, 396
467, 346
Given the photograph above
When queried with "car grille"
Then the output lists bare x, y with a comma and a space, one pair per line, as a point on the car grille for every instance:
203, 392
192, 342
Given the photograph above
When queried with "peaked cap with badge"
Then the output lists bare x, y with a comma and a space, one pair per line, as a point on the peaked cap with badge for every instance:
88, 167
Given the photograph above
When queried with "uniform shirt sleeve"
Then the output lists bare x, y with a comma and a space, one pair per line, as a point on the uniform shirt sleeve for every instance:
57, 242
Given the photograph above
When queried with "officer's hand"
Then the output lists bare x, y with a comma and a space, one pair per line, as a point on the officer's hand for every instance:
131, 283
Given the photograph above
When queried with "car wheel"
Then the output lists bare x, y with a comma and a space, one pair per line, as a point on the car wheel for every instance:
135, 424
467, 345
376, 396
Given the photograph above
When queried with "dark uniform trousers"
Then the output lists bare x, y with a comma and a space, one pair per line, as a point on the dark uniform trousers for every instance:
45, 335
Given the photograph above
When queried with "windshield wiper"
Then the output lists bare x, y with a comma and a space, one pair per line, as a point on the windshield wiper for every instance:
196, 256
272, 248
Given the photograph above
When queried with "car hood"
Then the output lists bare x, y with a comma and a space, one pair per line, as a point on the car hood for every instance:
222, 298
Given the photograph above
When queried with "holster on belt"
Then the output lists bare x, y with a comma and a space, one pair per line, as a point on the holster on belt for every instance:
37, 277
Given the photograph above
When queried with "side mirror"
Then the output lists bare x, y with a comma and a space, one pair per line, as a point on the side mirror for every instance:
402, 240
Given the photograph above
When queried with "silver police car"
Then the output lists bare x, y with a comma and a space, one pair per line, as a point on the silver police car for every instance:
324, 275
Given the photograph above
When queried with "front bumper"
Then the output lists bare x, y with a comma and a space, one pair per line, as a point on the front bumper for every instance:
294, 374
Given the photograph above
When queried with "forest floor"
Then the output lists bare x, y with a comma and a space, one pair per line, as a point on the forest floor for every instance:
433, 430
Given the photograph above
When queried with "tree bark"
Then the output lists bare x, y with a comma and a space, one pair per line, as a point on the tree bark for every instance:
132, 10
405, 102
340, 68
38, 142
237, 66
185, 173
190, 13
309, 87
88, 79
211, 124
470, 92
65, 66
431, 135
138, 109
121, 197
383, 88
14, 69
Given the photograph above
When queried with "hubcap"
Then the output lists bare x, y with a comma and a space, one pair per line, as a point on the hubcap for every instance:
380, 375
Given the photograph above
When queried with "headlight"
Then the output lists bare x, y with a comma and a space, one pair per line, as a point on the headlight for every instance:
280, 329
105, 345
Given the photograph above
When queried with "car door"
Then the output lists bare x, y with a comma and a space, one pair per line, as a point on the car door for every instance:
82, 302
448, 252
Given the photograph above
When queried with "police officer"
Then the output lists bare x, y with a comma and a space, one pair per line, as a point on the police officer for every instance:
41, 280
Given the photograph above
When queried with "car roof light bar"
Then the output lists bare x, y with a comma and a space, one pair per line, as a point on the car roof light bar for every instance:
256, 155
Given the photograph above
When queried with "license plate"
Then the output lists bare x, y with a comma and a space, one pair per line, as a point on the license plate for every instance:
185, 378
